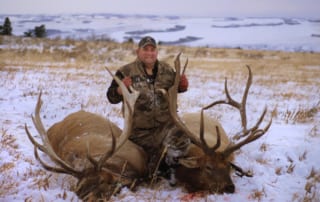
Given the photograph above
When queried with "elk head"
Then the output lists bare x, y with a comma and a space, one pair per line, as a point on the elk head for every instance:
207, 165
96, 180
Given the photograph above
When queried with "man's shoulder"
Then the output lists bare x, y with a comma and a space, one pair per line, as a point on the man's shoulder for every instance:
127, 68
164, 66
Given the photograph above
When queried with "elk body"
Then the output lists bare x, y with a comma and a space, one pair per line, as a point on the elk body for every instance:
92, 149
207, 161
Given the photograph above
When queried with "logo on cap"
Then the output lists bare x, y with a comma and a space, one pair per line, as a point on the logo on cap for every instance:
147, 41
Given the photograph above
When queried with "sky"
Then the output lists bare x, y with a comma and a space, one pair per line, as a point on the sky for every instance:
212, 8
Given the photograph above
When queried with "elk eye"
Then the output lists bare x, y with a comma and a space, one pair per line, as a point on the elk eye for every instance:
209, 168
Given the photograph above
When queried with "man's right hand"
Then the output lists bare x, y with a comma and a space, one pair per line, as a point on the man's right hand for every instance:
127, 81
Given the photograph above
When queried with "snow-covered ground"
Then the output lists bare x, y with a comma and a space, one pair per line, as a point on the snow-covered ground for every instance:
290, 34
285, 162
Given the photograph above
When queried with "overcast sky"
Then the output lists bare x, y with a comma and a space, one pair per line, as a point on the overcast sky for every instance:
215, 8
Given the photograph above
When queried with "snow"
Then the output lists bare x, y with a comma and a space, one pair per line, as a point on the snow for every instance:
281, 161
289, 34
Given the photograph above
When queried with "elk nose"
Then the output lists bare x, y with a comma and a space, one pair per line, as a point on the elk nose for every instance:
229, 188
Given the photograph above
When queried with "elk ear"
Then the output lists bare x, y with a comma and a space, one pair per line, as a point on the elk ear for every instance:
190, 162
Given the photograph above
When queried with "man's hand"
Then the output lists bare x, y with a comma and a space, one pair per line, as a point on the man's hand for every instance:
127, 82
183, 84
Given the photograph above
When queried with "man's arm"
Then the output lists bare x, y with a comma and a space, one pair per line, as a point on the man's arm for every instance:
112, 94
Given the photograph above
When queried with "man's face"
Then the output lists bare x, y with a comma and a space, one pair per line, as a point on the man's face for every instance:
148, 54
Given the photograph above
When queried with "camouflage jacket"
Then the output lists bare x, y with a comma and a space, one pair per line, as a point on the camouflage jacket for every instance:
151, 109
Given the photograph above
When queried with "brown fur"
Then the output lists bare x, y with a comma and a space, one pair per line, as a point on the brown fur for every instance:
192, 120
205, 172
80, 131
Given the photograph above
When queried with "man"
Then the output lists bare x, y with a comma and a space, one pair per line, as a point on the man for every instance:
151, 119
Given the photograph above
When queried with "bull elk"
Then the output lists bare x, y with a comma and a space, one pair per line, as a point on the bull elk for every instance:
92, 149
207, 162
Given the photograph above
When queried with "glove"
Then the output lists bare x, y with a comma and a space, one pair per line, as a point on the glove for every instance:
183, 84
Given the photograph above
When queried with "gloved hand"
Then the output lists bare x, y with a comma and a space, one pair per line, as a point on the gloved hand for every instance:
127, 82
183, 84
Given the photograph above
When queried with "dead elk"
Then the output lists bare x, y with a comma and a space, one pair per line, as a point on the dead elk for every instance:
92, 149
207, 162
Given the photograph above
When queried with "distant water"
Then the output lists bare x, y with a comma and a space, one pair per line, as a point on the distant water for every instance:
289, 34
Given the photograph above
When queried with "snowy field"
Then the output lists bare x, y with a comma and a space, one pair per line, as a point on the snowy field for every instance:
289, 34
285, 162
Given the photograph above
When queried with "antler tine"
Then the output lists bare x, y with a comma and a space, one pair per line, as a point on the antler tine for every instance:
217, 145
255, 127
177, 66
253, 135
53, 169
37, 120
205, 146
244, 100
129, 100
241, 106
33, 141
185, 66
46, 147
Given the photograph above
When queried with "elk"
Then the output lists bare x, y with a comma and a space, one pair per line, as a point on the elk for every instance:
92, 149
207, 163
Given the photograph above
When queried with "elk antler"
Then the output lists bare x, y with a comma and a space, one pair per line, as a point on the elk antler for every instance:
251, 134
171, 96
46, 147
129, 102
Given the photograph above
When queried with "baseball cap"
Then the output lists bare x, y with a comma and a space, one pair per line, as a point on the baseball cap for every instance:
147, 40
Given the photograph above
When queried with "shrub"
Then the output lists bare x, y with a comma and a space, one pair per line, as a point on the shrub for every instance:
40, 31
28, 33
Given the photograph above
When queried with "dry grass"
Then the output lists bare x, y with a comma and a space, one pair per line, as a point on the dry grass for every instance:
312, 187
40, 179
7, 142
258, 195
315, 132
300, 114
